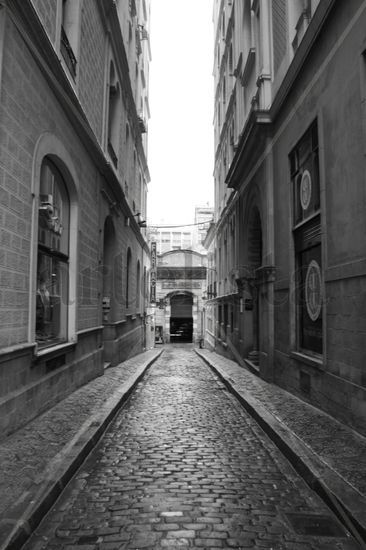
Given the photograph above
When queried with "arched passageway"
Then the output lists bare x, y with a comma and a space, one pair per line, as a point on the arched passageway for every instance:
181, 318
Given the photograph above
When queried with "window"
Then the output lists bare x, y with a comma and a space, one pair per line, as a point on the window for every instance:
304, 166
129, 32
70, 34
52, 257
231, 67
113, 116
299, 18
132, 7
145, 289
128, 277
138, 286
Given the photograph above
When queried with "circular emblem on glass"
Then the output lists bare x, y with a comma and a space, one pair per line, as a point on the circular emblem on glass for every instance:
305, 190
313, 290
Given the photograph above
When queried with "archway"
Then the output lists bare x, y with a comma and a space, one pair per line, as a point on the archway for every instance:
181, 318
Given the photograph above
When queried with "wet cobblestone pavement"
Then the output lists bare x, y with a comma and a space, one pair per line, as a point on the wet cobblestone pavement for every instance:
184, 466
335, 443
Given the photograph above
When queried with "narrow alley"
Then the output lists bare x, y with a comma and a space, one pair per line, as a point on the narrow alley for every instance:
183, 465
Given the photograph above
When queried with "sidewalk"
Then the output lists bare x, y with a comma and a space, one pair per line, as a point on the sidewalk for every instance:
330, 456
38, 460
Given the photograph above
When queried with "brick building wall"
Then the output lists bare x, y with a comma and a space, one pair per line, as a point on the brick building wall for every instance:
47, 115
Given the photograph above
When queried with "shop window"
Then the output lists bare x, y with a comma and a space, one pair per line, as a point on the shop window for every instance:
304, 165
52, 258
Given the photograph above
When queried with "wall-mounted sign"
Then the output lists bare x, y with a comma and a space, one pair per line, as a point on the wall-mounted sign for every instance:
313, 290
153, 255
305, 190
153, 273
181, 284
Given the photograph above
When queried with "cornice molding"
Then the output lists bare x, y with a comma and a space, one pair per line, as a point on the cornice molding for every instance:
302, 52
256, 127
258, 120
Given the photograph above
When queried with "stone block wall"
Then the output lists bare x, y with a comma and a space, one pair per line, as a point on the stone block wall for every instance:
39, 105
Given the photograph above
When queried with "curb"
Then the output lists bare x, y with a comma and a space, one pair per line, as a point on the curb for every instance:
346, 503
65, 465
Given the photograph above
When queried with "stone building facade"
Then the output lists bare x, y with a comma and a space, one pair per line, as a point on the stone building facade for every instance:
73, 181
290, 203
180, 287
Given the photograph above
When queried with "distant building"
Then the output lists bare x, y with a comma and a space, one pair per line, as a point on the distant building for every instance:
180, 286
172, 238
73, 181
203, 216
181, 279
290, 207
185, 237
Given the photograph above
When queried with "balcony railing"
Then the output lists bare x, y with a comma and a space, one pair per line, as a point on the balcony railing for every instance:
67, 53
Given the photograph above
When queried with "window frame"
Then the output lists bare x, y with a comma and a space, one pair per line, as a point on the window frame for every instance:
128, 277
69, 35
52, 257
49, 145
307, 245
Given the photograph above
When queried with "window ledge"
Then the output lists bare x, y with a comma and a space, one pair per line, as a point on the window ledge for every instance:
54, 351
312, 361
15, 351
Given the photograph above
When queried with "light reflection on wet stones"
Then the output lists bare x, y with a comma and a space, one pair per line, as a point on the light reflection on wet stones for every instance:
183, 466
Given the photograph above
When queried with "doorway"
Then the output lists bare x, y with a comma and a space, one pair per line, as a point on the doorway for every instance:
181, 318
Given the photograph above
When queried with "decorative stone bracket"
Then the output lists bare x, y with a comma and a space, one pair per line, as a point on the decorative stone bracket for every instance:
265, 274
253, 278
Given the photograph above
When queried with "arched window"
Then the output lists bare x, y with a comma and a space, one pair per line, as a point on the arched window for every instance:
52, 257
128, 277
138, 286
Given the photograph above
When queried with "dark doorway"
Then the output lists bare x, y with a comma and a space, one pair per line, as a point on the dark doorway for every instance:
181, 319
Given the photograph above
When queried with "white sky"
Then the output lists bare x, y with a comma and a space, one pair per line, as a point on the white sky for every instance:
180, 140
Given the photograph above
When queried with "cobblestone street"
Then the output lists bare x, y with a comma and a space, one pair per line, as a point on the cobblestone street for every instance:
184, 466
